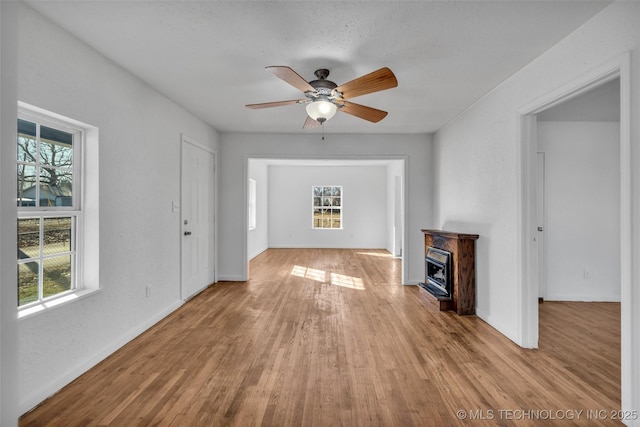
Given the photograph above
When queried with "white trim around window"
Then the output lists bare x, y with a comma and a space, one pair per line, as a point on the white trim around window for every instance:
58, 237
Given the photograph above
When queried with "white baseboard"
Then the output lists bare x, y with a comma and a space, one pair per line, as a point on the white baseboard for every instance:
231, 278
320, 246
582, 298
48, 389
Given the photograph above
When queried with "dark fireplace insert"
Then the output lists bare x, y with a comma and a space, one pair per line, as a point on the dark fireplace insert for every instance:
437, 272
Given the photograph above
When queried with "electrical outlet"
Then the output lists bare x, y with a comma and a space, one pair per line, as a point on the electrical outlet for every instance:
587, 275
148, 291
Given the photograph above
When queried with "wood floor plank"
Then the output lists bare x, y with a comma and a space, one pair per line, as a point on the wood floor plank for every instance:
330, 337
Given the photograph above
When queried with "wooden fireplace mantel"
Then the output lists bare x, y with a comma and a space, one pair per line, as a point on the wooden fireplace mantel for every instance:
462, 249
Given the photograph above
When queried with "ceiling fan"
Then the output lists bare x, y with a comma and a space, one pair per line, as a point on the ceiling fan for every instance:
323, 97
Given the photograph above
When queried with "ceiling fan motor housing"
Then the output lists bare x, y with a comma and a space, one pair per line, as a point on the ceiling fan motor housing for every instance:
324, 87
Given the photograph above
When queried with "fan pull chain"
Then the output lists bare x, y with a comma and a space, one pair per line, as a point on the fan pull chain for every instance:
322, 125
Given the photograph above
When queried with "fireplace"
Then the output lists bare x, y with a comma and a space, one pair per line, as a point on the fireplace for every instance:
456, 251
438, 272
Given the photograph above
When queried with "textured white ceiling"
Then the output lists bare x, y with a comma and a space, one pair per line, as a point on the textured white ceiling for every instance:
209, 56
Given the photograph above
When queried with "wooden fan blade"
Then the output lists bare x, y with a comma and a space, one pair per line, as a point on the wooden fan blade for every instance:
310, 123
367, 113
291, 77
275, 104
376, 81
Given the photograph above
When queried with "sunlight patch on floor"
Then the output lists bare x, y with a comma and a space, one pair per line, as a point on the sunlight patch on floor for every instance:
320, 276
308, 273
347, 281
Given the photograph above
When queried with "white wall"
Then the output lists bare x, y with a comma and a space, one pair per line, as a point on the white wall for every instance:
481, 146
8, 290
139, 163
364, 192
258, 238
479, 174
582, 204
236, 149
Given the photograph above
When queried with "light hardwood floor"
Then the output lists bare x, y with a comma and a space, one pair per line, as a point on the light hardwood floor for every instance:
330, 338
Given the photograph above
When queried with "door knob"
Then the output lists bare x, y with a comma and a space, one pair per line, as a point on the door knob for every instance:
187, 233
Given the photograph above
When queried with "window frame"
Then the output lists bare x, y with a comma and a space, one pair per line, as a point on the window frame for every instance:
332, 207
78, 132
75, 211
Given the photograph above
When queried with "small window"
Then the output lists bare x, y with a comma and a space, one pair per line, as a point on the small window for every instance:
49, 214
327, 207
252, 204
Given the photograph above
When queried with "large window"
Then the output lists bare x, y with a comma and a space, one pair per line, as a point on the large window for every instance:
327, 207
48, 202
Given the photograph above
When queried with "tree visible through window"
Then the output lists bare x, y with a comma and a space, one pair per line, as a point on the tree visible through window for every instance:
48, 209
327, 206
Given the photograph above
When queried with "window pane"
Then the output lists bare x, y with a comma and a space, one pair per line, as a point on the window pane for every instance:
55, 187
26, 128
335, 191
317, 191
336, 201
54, 153
317, 201
27, 283
26, 149
56, 236
317, 217
28, 238
56, 275
26, 185
335, 218
55, 136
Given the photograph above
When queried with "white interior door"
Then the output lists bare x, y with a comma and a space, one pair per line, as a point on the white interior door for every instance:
198, 184
540, 181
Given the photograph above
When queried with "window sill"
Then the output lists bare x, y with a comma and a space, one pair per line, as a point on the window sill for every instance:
57, 302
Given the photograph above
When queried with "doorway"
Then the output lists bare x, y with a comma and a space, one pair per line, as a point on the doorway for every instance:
578, 197
197, 218
578, 204
392, 209
618, 68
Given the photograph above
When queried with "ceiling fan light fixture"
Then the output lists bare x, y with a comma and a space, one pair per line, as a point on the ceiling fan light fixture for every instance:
321, 110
